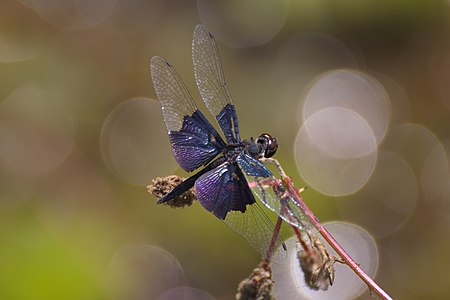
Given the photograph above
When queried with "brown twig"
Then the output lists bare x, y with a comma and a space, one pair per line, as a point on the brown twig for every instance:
295, 194
373, 286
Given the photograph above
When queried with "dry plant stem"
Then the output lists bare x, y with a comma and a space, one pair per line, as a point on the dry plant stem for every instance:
295, 193
273, 242
296, 231
333, 243
300, 239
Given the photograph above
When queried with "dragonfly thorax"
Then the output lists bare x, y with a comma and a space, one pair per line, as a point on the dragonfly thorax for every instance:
232, 151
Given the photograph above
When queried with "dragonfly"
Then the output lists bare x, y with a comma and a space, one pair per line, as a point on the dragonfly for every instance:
224, 163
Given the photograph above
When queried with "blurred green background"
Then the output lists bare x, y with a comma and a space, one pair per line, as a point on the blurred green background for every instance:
81, 135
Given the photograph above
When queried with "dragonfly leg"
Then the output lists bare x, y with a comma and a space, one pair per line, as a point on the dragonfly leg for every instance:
274, 162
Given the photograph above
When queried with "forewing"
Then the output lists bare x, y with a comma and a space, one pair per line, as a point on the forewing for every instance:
194, 140
176, 102
274, 196
211, 82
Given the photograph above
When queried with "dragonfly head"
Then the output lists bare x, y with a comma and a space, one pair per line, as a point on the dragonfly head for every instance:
267, 145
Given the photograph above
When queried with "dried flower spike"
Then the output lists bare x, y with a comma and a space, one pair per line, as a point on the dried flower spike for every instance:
258, 286
162, 186
317, 264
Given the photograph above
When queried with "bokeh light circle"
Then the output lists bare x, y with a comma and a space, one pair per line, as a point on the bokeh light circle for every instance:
387, 201
414, 143
301, 59
443, 80
140, 271
236, 27
335, 151
134, 16
435, 177
186, 293
400, 103
20, 40
359, 244
353, 90
74, 14
134, 142
27, 3
307, 55
94, 71
36, 130
439, 66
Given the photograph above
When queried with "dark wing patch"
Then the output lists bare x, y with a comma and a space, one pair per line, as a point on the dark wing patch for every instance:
194, 145
194, 140
224, 189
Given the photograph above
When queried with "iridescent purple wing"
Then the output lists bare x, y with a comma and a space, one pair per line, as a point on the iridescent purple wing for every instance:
211, 82
194, 140
224, 191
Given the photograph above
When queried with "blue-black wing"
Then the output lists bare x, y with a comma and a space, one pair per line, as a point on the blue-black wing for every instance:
224, 191
194, 140
211, 82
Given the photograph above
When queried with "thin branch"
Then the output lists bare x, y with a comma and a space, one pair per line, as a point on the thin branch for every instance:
295, 194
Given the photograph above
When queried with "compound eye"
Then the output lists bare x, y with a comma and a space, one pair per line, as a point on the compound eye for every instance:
262, 139
270, 144
271, 147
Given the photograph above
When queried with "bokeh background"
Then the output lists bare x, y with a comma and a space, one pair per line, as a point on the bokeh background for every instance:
357, 93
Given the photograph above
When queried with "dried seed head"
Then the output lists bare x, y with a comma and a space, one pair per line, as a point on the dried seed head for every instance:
258, 286
317, 264
162, 186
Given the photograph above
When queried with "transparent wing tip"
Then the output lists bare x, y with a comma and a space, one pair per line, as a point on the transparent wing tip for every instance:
200, 27
158, 60
202, 30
